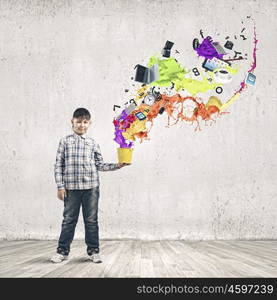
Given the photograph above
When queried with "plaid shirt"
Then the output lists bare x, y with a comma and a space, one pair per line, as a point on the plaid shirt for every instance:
78, 161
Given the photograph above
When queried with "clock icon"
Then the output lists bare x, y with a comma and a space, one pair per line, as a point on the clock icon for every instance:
149, 99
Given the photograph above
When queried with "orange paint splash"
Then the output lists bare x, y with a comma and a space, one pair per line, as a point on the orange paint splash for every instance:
174, 107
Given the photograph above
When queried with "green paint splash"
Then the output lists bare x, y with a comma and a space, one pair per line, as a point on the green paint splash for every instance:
195, 86
172, 72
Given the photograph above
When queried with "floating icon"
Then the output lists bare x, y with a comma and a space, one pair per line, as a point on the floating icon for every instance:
115, 107
222, 76
133, 101
250, 79
141, 116
161, 110
195, 72
214, 63
219, 89
218, 48
147, 75
195, 43
201, 33
149, 99
130, 108
229, 45
167, 48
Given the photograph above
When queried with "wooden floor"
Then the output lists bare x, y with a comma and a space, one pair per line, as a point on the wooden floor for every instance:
133, 258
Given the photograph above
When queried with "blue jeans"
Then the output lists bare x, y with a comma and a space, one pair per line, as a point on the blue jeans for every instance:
72, 203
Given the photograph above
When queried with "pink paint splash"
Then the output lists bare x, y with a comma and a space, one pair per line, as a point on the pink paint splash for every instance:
254, 64
243, 85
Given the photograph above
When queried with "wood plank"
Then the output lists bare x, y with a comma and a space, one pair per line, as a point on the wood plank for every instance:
159, 267
134, 258
245, 263
132, 267
37, 263
16, 260
9, 244
19, 247
121, 261
199, 261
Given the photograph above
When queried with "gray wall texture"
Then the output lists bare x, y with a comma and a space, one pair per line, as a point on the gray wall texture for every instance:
55, 56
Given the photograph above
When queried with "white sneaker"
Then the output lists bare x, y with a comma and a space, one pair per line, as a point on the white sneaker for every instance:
57, 258
95, 257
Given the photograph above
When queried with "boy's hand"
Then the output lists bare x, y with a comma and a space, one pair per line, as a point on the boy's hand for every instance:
61, 194
120, 165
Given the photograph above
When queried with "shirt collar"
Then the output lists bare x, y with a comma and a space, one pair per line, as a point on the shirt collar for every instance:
83, 136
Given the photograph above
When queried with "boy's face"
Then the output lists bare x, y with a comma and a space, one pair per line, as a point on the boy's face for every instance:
80, 125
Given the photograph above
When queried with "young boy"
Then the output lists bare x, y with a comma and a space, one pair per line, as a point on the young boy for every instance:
76, 174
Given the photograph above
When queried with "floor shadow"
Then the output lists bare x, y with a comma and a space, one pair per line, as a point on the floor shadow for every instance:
47, 260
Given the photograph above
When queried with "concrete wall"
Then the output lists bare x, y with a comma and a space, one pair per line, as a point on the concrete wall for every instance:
55, 56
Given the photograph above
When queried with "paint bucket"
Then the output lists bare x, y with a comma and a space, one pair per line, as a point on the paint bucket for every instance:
124, 155
214, 101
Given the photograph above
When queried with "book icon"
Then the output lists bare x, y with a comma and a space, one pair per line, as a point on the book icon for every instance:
147, 75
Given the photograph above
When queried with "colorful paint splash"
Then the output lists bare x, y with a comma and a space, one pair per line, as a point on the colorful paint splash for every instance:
207, 50
165, 95
122, 124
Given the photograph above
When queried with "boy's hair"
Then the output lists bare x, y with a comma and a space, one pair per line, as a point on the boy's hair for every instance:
81, 113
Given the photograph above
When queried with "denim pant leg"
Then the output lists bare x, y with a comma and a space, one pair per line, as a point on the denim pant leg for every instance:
90, 215
71, 211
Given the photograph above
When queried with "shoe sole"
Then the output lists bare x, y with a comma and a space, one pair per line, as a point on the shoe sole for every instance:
96, 262
57, 262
